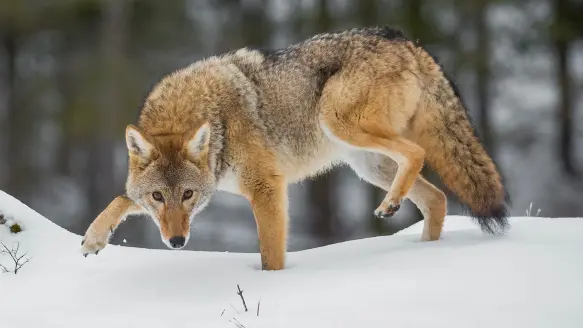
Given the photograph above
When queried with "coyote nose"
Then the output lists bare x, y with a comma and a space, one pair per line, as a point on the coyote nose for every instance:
177, 241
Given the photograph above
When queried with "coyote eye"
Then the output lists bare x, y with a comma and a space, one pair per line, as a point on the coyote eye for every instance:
187, 194
157, 196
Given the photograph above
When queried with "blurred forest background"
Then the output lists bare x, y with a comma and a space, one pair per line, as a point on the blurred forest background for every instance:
75, 72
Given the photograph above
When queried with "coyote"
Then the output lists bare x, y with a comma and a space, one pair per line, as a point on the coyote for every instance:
250, 122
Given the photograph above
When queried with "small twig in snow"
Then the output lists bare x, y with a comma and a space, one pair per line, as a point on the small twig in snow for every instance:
17, 259
223, 312
258, 305
240, 293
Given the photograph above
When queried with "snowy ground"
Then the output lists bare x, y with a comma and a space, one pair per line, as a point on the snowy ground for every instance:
530, 278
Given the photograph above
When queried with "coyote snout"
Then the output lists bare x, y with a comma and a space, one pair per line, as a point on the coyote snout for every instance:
174, 228
177, 242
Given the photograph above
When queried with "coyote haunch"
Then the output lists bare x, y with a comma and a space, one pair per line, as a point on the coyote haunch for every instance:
250, 122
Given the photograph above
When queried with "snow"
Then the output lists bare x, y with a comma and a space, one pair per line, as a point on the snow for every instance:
529, 278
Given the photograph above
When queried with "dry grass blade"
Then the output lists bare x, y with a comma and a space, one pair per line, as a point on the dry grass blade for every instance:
237, 323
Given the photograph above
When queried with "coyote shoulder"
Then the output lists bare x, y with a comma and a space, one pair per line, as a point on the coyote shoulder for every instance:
250, 122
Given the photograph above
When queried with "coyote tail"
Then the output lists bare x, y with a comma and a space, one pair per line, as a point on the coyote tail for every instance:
453, 150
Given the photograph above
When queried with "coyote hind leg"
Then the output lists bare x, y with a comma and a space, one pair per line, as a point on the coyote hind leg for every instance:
368, 110
408, 156
374, 136
380, 171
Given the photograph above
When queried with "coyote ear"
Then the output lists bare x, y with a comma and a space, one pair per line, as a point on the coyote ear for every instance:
138, 143
198, 143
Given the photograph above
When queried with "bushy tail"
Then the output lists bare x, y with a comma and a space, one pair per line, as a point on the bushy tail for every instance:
443, 129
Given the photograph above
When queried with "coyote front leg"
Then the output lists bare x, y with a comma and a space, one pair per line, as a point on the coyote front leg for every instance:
102, 227
268, 197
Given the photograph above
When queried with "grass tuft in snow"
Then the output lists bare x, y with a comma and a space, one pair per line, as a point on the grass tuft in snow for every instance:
529, 211
15, 228
9, 221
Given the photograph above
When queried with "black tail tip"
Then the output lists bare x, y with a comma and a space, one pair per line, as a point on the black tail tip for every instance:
495, 222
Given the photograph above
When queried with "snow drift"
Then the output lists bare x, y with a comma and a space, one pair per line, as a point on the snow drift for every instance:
530, 277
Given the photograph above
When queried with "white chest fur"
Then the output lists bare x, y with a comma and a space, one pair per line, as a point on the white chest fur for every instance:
229, 183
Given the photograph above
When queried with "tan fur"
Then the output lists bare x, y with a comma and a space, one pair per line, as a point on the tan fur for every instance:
103, 226
251, 122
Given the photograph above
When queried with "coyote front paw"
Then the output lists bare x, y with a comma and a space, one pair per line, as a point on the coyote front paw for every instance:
94, 241
387, 210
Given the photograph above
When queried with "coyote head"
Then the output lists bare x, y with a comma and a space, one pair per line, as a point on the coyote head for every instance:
170, 177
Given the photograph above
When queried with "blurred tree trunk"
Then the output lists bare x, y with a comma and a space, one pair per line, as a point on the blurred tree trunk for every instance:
300, 20
17, 123
415, 21
483, 74
231, 35
255, 24
367, 12
562, 44
66, 90
114, 30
